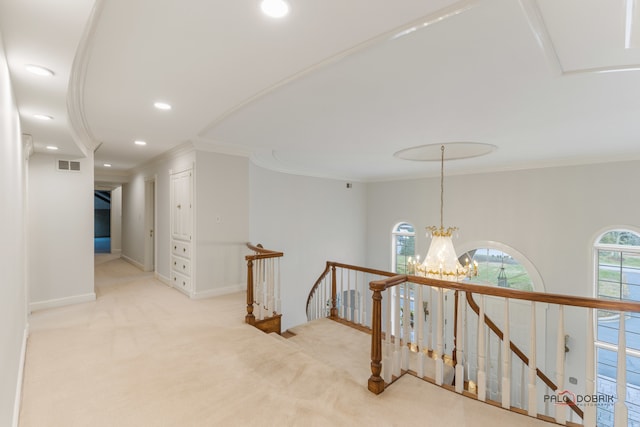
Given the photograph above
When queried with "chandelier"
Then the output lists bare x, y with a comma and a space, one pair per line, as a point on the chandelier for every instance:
441, 261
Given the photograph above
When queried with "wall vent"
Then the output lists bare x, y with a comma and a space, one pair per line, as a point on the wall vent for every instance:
68, 165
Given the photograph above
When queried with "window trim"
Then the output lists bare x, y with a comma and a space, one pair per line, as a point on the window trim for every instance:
534, 274
395, 233
595, 246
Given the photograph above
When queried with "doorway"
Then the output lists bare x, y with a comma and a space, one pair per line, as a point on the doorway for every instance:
102, 222
149, 224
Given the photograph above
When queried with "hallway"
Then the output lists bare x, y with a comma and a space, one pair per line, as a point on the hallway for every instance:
143, 354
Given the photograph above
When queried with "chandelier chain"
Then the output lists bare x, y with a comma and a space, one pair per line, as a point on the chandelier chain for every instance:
442, 188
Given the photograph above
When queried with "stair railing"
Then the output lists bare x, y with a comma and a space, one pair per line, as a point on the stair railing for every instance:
342, 293
388, 364
263, 289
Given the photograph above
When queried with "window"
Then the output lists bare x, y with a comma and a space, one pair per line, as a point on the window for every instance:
404, 246
617, 259
497, 268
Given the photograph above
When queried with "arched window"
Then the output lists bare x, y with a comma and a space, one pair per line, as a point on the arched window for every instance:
498, 268
617, 276
404, 246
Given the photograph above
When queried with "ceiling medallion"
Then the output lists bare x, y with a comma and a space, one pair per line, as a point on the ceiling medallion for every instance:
455, 151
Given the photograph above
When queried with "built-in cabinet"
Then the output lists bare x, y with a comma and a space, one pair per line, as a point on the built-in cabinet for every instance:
182, 250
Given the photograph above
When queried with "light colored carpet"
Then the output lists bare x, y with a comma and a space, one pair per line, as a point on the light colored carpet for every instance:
143, 354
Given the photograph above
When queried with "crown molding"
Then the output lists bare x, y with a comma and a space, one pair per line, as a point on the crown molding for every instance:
79, 127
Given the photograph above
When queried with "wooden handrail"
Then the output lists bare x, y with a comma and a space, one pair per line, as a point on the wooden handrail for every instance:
261, 253
316, 285
567, 300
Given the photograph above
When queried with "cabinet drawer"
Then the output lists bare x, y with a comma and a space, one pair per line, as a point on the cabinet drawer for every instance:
181, 265
180, 281
181, 249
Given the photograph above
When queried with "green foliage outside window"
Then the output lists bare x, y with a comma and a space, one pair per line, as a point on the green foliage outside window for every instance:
490, 262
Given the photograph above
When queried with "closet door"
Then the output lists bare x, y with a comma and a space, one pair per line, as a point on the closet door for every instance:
181, 205
181, 230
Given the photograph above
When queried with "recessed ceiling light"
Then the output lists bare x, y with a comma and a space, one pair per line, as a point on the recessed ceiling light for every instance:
52, 147
107, 165
138, 142
274, 8
162, 106
38, 70
42, 117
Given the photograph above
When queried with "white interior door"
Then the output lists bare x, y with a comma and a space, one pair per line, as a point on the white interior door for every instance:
149, 224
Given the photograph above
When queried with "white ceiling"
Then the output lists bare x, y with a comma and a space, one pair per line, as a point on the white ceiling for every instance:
335, 88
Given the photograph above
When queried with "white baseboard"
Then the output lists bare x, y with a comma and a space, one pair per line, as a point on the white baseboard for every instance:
209, 293
60, 302
159, 277
132, 261
18, 399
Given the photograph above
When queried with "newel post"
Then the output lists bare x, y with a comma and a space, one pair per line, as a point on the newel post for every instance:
250, 318
376, 383
334, 299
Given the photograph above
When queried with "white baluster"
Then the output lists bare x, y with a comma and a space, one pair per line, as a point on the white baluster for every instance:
506, 359
533, 394
621, 412
353, 286
258, 289
352, 294
396, 332
561, 410
387, 364
406, 319
321, 298
279, 291
589, 419
523, 385
482, 378
343, 306
358, 312
420, 332
440, 339
459, 344
430, 345
364, 298
264, 289
270, 286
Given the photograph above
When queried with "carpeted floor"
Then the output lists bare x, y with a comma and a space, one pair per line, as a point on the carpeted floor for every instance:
143, 354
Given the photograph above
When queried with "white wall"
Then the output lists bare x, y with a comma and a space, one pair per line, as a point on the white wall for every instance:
13, 304
60, 232
312, 221
222, 222
221, 191
133, 220
116, 220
